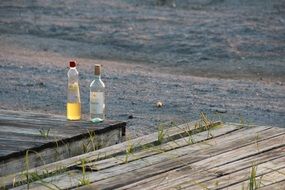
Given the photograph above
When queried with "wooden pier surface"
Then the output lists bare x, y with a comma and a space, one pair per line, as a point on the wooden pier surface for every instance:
48, 138
219, 156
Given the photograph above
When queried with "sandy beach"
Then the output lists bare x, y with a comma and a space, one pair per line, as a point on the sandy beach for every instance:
223, 58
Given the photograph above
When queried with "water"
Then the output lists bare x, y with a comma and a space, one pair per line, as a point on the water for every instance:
197, 37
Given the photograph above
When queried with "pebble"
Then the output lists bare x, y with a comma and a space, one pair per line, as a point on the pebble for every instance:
41, 84
159, 104
220, 110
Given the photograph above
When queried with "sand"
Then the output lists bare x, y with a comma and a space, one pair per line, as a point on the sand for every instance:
224, 58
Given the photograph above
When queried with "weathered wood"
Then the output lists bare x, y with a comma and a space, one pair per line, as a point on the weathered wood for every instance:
165, 162
30, 115
118, 149
98, 165
219, 159
170, 134
245, 158
163, 148
170, 162
20, 135
278, 185
242, 176
232, 166
264, 177
185, 174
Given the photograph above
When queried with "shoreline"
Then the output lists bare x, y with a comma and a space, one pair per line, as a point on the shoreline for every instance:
222, 58
36, 81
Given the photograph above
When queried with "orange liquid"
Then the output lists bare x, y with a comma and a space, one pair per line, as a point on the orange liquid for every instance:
73, 111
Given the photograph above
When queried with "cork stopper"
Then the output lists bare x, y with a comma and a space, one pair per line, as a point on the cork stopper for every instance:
97, 70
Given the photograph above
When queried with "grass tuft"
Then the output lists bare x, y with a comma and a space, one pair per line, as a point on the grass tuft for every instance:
84, 180
44, 133
160, 135
254, 182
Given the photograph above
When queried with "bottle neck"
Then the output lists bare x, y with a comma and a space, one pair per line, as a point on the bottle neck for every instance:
97, 76
72, 72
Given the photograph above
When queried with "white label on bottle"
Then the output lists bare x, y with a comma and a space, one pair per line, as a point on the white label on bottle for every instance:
97, 102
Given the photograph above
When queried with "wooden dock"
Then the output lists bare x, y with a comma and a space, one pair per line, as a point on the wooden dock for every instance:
39, 139
215, 156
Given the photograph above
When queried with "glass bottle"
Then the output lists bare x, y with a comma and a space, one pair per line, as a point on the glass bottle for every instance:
97, 96
73, 94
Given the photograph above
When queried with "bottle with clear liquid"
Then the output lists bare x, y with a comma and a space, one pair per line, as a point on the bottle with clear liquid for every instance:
97, 97
73, 107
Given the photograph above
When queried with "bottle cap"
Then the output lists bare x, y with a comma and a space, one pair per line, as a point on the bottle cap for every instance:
72, 64
97, 69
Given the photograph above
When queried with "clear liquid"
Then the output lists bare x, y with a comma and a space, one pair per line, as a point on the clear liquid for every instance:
73, 111
97, 105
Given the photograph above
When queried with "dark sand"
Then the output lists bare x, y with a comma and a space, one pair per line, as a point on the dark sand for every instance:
225, 56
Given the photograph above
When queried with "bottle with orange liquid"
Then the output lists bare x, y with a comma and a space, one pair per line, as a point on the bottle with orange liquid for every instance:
73, 106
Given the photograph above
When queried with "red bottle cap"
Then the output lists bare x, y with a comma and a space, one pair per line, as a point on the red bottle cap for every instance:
72, 64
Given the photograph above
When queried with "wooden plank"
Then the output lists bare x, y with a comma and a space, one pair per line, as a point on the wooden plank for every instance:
101, 153
18, 144
60, 152
26, 137
20, 132
30, 115
46, 121
69, 127
265, 132
150, 151
144, 167
278, 185
113, 150
229, 168
122, 175
262, 180
184, 174
17, 130
242, 177
163, 148
211, 180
